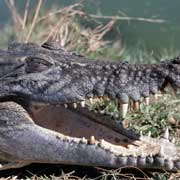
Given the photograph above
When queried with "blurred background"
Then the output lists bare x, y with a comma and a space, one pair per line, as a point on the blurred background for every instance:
135, 31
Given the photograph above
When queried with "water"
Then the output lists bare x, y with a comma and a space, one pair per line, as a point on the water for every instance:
153, 35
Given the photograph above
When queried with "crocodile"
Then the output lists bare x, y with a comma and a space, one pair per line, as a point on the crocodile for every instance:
44, 92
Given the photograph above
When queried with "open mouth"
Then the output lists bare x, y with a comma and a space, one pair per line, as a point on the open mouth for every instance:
76, 120
86, 127
60, 135
79, 123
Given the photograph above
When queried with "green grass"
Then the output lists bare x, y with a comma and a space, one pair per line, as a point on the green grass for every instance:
154, 119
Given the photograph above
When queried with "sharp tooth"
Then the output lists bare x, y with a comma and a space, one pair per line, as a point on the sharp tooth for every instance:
124, 109
110, 149
173, 140
156, 97
102, 98
74, 105
161, 151
65, 138
146, 99
82, 103
91, 100
141, 134
65, 105
83, 140
149, 133
101, 142
92, 140
166, 134
136, 105
142, 154
102, 112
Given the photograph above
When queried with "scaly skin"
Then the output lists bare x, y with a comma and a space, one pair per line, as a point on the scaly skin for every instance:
31, 74
81, 78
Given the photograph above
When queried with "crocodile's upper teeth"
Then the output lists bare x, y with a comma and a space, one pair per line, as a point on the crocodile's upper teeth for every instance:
82, 103
91, 100
124, 109
156, 96
65, 105
74, 105
146, 99
136, 105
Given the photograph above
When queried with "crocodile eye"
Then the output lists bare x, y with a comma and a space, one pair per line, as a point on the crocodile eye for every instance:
34, 64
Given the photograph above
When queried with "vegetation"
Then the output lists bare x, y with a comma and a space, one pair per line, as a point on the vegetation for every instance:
76, 30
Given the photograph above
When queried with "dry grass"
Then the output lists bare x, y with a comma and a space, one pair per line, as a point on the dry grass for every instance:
48, 172
62, 25
70, 26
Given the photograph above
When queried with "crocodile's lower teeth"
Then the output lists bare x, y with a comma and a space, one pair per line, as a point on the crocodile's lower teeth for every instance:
161, 152
92, 140
166, 134
83, 140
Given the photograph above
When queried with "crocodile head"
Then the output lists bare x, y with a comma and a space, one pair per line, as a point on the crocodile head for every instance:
37, 128
49, 74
